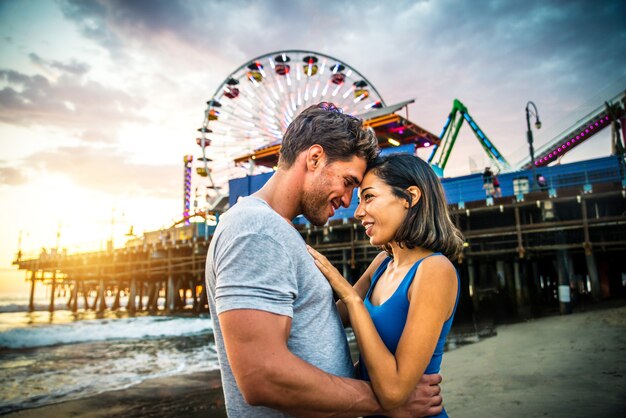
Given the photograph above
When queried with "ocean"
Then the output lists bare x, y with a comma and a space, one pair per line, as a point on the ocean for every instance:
53, 357
47, 358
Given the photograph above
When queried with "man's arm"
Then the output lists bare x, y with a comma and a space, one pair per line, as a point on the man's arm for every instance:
268, 374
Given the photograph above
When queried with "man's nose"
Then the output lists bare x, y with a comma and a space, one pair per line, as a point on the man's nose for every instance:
347, 198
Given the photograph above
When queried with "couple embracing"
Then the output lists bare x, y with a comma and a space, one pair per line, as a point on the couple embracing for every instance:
278, 331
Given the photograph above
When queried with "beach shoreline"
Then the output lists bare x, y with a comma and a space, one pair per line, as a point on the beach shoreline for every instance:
190, 395
556, 366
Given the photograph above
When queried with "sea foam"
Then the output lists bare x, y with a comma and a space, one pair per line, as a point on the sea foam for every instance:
41, 335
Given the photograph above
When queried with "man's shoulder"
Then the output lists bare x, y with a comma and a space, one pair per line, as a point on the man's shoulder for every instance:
249, 210
251, 216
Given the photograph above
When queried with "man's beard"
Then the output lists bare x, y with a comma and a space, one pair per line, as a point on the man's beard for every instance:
315, 205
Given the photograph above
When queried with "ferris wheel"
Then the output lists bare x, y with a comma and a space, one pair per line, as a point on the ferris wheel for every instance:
254, 105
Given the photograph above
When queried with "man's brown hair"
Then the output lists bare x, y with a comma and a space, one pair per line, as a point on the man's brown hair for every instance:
342, 136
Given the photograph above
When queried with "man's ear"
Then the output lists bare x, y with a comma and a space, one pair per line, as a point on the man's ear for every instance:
416, 195
314, 157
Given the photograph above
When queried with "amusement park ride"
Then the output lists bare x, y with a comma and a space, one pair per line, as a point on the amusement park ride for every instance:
245, 119
252, 108
611, 113
448, 135
247, 115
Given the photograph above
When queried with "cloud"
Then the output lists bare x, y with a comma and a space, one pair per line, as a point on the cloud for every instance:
92, 135
70, 101
90, 17
217, 30
153, 16
112, 24
14, 77
74, 67
12, 176
108, 170
406, 30
492, 55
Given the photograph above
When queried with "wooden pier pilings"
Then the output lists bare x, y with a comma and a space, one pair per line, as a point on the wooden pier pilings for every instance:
161, 275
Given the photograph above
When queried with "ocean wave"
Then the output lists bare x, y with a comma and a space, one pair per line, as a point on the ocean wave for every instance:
41, 335
21, 304
23, 307
14, 307
33, 378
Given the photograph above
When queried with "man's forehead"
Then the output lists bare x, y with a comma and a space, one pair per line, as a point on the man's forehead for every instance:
355, 167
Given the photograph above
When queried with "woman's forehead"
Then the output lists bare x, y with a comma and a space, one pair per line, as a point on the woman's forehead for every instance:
370, 180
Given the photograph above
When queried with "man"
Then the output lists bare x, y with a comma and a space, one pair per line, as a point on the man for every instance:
280, 342
488, 182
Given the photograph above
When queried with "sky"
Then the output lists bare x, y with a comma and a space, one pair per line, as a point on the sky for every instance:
100, 100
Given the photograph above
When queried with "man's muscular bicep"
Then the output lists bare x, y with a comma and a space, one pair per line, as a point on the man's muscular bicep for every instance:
254, 340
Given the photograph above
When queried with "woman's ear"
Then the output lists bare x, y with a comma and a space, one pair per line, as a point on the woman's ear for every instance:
416, 195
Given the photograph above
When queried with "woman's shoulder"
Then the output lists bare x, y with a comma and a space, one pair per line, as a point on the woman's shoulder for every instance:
437, 264
375, 264
435, 280
436, 275
378, 260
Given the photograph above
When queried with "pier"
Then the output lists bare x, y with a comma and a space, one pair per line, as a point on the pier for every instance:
525, 252
163, 270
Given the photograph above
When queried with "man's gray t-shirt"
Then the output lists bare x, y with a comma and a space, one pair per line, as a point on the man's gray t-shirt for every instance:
257, 260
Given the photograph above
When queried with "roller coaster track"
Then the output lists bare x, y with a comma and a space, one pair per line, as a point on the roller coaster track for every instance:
610, 113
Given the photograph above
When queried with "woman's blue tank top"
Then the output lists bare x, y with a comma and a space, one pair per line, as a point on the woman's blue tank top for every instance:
390, 317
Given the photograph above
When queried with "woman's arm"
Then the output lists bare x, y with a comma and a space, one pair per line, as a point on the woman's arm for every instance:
361, 286
432, 298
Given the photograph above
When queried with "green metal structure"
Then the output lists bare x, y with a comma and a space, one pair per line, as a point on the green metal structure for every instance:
448, 138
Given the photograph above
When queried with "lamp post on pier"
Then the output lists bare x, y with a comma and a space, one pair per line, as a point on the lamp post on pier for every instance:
529, 137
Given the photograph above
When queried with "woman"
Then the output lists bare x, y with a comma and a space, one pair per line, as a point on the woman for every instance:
401, 309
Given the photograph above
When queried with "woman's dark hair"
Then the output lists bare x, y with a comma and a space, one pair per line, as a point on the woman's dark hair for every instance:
342, 136
427, 223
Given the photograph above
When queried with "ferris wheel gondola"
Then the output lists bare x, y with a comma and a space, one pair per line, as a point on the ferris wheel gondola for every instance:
254, 105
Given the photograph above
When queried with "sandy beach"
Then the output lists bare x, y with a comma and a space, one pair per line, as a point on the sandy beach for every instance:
559, 366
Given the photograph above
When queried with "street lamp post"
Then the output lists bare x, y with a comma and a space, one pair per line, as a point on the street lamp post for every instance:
529, 136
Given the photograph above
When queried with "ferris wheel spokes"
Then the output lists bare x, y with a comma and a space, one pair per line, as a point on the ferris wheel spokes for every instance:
256, 103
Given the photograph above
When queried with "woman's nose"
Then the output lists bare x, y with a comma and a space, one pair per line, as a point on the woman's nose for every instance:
359, 213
